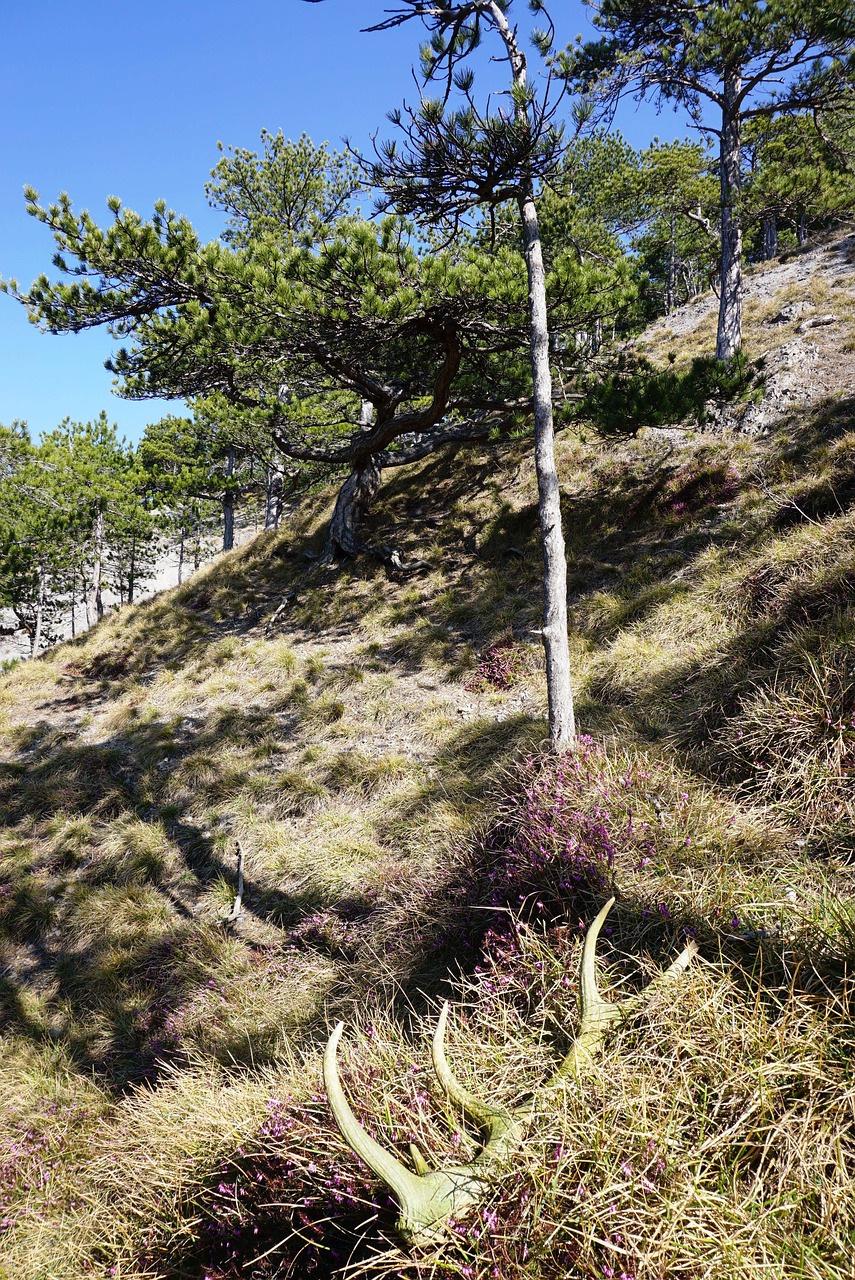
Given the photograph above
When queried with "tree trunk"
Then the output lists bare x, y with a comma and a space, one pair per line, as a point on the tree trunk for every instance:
181, 557
229, 504
562, 726
671, 293
801, 229
729, 339
132, 569
770, 236
273, 498
97, 567
36, 639
355, 497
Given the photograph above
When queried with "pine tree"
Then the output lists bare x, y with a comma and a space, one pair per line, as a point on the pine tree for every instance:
459, 159
797, 176
676, 236
38, 539
294, 192
738, 59
177, 470
90, 470
289, 346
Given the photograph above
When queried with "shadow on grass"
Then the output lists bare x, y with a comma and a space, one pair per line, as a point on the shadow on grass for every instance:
635, 532
111, 863
106, 944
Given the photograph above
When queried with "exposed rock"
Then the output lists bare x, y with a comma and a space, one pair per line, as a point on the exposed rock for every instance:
816, 322
788, 385
792, 311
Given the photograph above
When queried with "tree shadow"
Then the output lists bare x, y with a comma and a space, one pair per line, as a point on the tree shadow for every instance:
103, 928
657, 520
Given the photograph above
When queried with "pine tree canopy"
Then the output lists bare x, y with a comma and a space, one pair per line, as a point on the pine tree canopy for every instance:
296, 337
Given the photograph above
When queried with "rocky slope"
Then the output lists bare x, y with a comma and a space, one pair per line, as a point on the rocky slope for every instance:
800, 333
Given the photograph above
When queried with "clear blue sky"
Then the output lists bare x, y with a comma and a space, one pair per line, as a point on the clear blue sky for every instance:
104, 98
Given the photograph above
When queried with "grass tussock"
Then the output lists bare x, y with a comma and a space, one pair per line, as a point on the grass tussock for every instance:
375, 760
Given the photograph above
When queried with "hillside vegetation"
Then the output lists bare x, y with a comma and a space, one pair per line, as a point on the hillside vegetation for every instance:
375, 756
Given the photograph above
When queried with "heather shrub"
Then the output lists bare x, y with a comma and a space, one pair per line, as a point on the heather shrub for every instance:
499, 667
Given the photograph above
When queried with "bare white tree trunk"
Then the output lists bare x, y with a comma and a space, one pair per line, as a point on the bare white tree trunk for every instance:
729, 338
36, 641
562, 725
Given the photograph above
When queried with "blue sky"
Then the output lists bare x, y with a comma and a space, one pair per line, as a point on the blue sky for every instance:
102, 99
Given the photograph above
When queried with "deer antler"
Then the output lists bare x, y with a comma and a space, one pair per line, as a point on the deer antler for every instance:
429, 1197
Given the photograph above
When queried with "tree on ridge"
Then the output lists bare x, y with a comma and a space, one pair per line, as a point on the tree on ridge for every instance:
741, 59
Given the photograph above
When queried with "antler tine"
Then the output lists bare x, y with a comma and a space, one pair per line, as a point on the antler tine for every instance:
500, 1128
387, 1167
598, 1014
429, 1197
426, 1198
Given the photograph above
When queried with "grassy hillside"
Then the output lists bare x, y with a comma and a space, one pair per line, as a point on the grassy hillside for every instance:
376, 757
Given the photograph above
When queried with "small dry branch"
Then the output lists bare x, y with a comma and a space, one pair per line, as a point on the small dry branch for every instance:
237, 909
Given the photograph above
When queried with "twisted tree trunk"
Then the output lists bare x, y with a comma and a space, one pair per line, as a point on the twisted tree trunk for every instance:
355, 497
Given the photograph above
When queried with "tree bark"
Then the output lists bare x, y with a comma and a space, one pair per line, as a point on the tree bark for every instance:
770, 236
562, 724
197, 543
181, 557
355, 497
671, 291
229, 503
97, 567
729, 338
132, 570
36, 641
273, 498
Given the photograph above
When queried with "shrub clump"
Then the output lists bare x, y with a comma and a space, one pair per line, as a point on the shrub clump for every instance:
499, 667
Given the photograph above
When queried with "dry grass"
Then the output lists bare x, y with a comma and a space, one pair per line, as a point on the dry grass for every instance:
162, 1065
